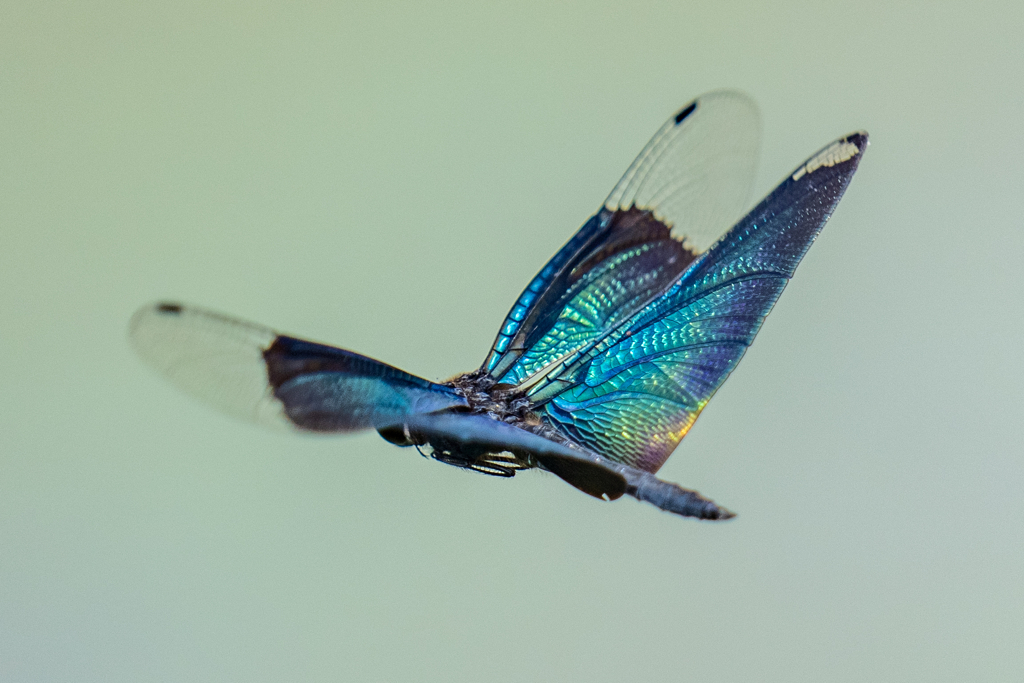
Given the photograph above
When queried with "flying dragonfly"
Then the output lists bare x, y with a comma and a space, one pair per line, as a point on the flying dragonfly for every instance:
604, 361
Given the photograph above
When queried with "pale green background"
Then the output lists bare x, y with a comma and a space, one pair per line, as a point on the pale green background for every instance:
387, 178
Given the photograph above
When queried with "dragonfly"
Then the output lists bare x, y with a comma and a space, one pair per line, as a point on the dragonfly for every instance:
607, 357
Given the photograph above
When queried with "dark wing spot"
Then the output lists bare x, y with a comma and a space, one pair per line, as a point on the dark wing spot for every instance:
170, 309
685, 112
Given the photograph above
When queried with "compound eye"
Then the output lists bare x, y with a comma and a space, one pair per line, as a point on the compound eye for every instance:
398, 435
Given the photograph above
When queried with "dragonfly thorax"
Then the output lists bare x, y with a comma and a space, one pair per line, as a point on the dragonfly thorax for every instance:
502, 402
484, 396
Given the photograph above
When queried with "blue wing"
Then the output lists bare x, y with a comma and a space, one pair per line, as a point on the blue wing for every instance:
695, 176
632, 394
254, 373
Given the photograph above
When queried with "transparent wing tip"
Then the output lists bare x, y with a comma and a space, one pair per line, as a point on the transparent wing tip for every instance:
212, 357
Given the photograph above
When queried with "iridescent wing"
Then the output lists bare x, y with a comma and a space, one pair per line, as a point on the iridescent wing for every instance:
632, 394
251, 372
691, 182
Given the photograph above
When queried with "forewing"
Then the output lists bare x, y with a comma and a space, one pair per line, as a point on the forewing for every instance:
252, 372
634, 394
602, 295
697, 172
686, 187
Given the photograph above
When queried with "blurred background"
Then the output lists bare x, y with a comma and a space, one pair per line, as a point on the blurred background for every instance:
387, 177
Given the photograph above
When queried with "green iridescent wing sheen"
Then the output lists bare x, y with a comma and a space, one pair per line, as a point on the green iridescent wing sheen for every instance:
633, 394
603, 293
692, 179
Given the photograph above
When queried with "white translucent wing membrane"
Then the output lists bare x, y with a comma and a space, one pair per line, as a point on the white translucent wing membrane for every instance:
213, 357
254, 373
697, 172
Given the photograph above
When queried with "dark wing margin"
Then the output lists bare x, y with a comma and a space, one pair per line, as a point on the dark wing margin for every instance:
251, 372
693, 178
634, 394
